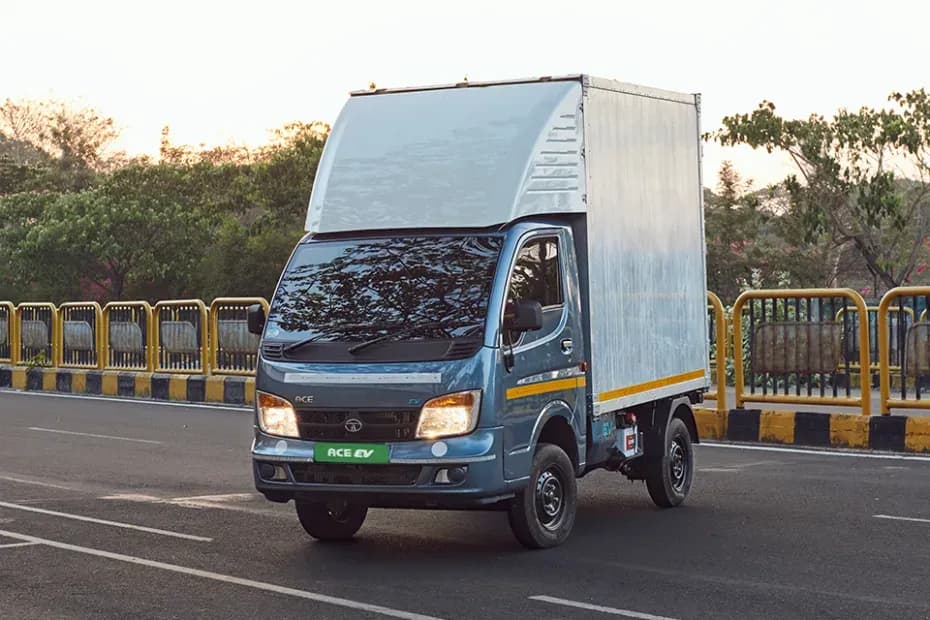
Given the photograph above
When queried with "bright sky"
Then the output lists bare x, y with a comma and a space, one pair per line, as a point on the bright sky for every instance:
230, 71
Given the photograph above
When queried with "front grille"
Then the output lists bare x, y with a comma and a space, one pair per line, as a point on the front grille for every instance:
339, 473
376, 425
272, 350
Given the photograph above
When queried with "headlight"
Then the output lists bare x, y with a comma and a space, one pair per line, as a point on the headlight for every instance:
452, 414
276, 416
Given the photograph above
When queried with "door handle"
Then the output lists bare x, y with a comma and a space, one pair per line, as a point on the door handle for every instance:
567, 346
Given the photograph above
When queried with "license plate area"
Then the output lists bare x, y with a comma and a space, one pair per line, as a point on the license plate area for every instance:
371, 453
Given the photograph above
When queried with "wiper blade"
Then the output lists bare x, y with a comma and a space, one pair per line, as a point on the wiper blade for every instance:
403, 331
302, 343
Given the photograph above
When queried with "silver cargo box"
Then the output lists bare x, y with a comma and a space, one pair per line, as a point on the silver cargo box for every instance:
484, 154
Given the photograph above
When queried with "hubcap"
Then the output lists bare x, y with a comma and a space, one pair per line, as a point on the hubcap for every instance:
338, 511
550, 498
678, 464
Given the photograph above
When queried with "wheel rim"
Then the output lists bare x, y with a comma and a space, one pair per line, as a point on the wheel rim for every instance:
338, 511
678, 463
550, 499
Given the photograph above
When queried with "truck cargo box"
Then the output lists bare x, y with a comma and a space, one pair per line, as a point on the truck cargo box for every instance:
625, 159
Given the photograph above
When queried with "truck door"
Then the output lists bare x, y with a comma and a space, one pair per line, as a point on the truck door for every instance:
545, 377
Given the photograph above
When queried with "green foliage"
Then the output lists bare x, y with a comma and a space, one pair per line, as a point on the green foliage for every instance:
863, 178
751, 239
77, 222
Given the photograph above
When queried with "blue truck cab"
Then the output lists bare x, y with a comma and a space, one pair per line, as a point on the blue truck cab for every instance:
473, 322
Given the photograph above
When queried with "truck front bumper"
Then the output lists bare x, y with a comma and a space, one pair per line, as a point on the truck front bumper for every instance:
458, 472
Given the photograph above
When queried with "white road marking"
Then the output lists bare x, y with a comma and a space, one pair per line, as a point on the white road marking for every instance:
134, 497
728, 470
229, 497
125, 526
136, 401
19, 544
37, 483
911, 519
265, 511
848, 454
248, 583
606, 610
54, 430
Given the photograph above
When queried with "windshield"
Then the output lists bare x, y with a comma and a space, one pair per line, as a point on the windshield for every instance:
406, 289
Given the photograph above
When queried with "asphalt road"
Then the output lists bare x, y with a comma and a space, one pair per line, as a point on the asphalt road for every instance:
159, 520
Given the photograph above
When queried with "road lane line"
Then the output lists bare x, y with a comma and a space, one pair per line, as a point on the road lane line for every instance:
125, 526
249, 583
19, 544
135, 401
911, 519
229, 497
54, 430
606, 610
847, 454
37, 483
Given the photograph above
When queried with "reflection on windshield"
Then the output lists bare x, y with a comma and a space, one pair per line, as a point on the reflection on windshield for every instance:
353, 290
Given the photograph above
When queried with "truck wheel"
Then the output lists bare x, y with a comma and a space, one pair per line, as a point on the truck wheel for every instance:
669, 478
543, 514
331, 520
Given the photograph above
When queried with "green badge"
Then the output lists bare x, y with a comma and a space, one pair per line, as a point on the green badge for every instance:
350, 453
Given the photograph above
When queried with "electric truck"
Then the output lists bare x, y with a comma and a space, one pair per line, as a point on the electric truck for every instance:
500, 290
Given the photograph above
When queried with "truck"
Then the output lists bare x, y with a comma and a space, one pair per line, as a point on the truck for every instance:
501, 289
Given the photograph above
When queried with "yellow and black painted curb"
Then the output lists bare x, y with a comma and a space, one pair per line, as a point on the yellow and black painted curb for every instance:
893, 433
230, 390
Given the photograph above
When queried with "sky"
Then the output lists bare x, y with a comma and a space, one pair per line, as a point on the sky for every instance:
229, 72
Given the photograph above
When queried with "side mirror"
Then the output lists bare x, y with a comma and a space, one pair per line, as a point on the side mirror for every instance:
523, 316
256, 319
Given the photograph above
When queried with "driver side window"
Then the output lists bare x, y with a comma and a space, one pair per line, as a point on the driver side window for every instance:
537, 276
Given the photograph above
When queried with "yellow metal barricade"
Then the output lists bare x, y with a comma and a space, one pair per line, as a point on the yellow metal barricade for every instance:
873, 336
801, 342
907, 370
8, 332
180, 338
719, 359
36, 334
80, 327
128, 336
233, 350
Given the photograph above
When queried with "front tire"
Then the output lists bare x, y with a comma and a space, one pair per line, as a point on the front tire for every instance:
669, 476
543, 514
331, 520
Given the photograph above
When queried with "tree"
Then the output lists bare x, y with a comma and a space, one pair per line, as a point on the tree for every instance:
751, 240
138, 232
72, 143
864, 177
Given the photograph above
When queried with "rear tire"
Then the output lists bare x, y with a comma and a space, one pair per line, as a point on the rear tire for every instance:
331, 520
543, 514
669, 476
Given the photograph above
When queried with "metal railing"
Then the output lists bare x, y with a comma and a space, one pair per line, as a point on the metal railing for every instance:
36, 334
181, 338
894, 342
7, 332
788, 346
798, 352
80, 326
127, 336
904, 381
718, 329
233, 350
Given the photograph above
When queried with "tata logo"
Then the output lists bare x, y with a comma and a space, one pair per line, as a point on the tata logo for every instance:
353, 425
304, 400
356, 453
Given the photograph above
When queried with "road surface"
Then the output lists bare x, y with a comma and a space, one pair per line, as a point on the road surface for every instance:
114, 509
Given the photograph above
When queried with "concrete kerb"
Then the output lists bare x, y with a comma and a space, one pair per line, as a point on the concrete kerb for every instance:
229, 390
894, 433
